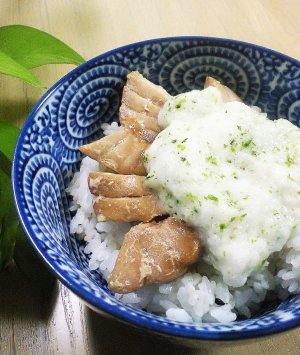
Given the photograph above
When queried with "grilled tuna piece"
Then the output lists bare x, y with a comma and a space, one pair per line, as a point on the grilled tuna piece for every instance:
154, 253
117, 185
122, 198
121, 152
227, 94
127, 209
141, 102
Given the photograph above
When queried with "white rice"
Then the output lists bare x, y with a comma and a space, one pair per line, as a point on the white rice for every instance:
198, 296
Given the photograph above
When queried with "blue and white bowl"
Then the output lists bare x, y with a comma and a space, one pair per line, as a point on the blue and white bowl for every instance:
70, 114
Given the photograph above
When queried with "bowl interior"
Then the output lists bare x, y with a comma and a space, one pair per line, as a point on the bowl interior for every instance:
70, 114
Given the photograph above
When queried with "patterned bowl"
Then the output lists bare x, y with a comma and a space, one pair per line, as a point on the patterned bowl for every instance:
70, 114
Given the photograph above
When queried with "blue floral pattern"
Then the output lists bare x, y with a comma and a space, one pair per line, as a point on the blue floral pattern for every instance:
71, 114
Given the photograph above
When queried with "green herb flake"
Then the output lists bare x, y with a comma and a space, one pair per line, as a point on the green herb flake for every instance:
211, 197
222, 226
145, 158
179, 104
191, 197
232, 203
169, 196
181, 146
289, 160
149, 177
211, 160
247, 143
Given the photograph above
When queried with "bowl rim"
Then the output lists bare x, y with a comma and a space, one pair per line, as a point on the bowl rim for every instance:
190, 331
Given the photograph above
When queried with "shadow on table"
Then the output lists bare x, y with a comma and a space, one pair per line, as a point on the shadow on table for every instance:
21, 298
108, 336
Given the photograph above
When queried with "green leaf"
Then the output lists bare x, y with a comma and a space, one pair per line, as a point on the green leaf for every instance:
8, 221
8, 66
8, 139
5, 164
32, 48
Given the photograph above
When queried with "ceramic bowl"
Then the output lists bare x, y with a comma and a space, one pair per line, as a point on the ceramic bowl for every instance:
70, 114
